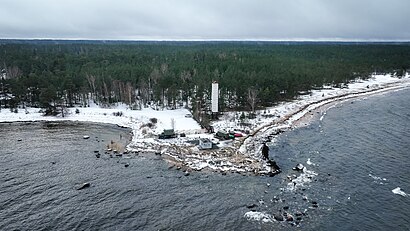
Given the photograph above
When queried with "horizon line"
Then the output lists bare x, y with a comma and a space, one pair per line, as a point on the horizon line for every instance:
218, 40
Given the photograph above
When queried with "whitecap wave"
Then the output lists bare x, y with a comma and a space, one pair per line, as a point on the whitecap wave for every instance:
258, 216
323, 116
377, 179
303, 179
399, 192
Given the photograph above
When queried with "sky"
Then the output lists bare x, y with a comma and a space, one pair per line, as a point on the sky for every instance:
284, 20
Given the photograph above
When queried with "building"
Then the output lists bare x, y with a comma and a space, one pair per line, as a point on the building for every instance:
205, 143
214, 96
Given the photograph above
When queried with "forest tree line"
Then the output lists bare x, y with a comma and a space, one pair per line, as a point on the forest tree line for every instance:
169, 75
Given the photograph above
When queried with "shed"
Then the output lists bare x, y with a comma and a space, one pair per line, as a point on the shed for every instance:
205, 143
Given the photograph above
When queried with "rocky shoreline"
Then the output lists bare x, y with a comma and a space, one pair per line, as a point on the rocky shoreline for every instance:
243, 155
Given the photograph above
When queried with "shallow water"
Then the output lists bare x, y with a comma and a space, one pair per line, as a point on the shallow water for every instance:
358, 153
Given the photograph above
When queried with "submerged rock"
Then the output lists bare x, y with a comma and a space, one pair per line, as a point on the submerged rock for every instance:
251, 206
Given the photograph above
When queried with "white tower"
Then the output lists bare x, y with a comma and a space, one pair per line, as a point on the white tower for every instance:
214, 97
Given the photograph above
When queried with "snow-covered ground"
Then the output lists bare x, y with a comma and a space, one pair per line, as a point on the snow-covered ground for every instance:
241, 155
137, 120
288, 115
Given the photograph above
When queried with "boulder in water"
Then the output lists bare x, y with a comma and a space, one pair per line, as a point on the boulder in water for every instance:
299, 167
86, 137
289, 217
84, 185
278, 217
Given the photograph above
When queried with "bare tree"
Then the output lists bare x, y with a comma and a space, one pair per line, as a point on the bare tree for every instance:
144, 91
91, 81
106, 92
13, 72
252, 98
130, 91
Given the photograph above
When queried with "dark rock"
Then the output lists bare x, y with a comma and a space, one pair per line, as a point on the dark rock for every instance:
86, 137
286, 207
315, 206
96, 151
126, 165
84, 185
98, 155
251, 206
278, 217
20, 140
298, 214
314, 203
298, 218
186, 174
53, 162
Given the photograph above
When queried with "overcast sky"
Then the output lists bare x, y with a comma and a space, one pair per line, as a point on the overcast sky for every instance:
206, 19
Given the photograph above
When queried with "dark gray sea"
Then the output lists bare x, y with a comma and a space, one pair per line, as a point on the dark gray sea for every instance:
355, 157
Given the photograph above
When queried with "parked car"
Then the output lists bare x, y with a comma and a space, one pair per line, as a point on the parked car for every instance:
167, 134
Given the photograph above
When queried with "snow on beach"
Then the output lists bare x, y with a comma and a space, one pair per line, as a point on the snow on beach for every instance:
135, 119
288, 115
241, 155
